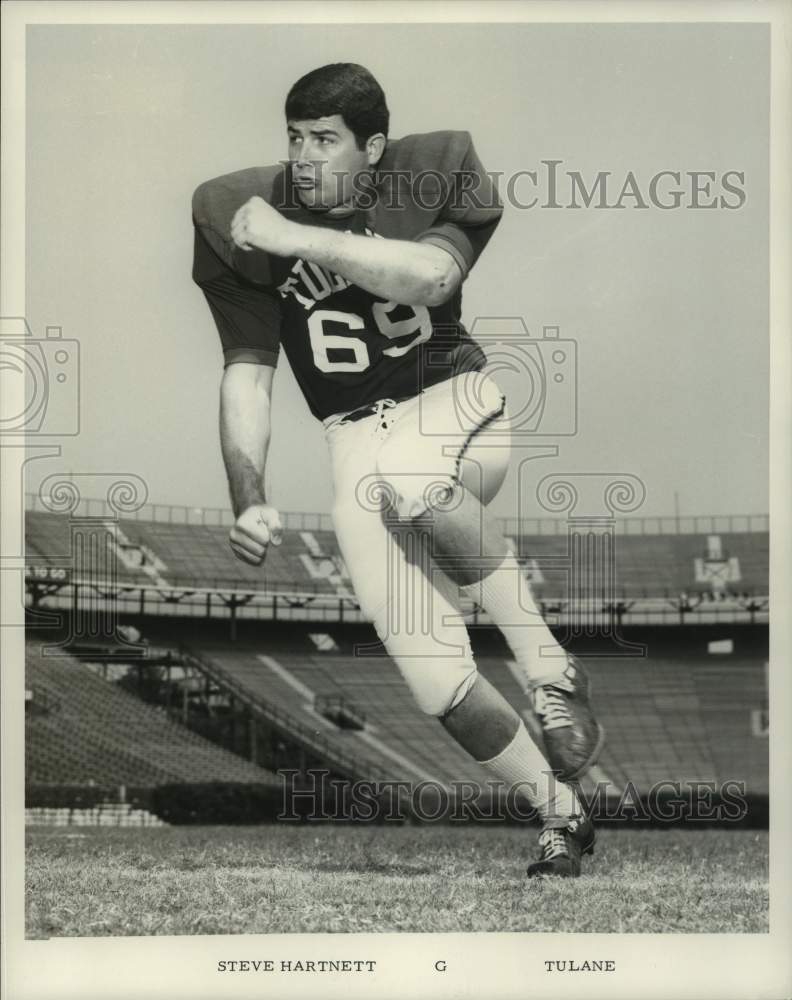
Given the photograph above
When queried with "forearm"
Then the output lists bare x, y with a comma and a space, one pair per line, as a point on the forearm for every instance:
405, 272
244, 437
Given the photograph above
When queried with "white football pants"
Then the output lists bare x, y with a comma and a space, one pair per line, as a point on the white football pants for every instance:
389, 468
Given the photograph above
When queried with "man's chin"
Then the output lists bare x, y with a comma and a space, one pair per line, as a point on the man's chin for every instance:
311, 199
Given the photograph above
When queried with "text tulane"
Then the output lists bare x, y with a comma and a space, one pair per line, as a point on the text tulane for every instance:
588, 965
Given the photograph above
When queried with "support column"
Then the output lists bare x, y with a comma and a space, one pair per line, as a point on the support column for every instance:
591, 501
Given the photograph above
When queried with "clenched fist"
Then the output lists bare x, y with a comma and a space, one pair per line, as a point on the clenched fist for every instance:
258, 225
255, 530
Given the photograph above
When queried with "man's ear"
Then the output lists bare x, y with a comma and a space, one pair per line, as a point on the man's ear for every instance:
375, 147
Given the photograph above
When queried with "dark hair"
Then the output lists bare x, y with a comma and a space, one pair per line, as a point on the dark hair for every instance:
344, 89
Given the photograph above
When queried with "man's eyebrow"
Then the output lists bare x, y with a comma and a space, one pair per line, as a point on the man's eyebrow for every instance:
314, 131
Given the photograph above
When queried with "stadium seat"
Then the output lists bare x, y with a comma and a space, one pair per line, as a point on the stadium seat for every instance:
98, 734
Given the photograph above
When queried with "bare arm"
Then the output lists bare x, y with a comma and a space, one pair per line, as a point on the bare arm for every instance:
245, 395
410, 273
245, 431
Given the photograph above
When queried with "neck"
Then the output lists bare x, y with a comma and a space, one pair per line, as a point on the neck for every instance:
341, 211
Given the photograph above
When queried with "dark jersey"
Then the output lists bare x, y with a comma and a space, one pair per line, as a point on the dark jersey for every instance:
346, 346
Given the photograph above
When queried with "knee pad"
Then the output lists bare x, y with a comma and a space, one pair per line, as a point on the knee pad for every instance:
438, 676
437, 686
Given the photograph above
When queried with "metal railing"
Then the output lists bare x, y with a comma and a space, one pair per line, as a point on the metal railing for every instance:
339, 709
355, 767
701, 524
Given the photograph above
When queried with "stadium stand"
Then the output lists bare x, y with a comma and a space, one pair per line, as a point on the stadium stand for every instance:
47, 536
397, 741
680, 713
309, 561
731, 696
677, 714
91, 732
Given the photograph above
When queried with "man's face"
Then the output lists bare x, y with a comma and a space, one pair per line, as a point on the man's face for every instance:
325, 161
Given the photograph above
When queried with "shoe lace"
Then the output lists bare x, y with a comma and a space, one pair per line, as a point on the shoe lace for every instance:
553, 844
382, 405
551, 706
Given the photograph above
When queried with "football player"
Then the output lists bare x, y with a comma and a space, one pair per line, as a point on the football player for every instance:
351, 257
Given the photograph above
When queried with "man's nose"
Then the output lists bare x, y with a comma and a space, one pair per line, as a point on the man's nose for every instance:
306, 155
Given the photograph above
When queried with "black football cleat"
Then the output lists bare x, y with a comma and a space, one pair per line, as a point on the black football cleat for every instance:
572, 736
562, 847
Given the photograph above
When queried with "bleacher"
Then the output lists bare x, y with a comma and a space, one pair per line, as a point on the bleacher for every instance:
47, 536
678, 714
397, 741
93, 733
646, 565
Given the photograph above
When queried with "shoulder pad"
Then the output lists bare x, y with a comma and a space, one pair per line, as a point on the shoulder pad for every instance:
215, 201
427, 150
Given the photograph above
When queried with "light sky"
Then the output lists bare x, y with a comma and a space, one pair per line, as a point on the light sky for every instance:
669, 309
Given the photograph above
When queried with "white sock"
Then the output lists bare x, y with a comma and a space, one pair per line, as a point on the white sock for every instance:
521, 763
506, 597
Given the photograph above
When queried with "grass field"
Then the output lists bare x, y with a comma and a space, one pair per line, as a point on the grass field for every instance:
279, 878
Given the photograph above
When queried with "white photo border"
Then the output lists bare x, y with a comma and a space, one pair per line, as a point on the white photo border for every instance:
486, 965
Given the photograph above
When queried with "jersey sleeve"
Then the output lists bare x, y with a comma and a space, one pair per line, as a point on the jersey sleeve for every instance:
472, 209
247, 313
